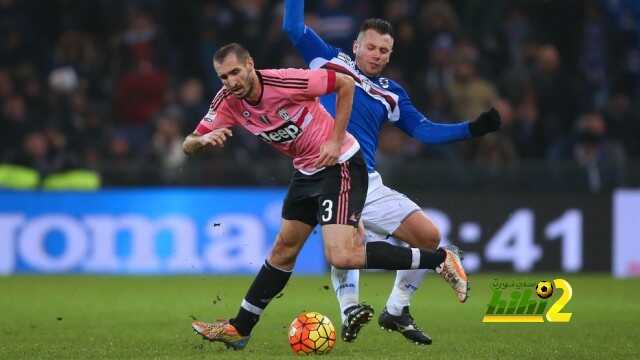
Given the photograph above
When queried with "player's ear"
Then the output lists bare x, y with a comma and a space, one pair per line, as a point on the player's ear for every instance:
249, 64
355, 46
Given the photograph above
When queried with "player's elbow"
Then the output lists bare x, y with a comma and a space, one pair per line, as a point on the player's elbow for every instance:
344, 83
293, 29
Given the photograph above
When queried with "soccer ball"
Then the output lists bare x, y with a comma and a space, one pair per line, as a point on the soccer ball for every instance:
544, 289
311, 333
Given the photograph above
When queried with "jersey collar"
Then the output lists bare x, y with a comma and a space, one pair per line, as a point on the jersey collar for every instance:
261, 91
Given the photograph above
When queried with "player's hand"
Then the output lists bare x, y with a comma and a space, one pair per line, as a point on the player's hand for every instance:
329, 154
216, 138
488, 121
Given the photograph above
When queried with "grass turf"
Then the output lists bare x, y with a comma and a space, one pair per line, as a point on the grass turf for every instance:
149, 317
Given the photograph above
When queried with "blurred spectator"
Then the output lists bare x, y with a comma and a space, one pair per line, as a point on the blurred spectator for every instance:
470, 94
336, 23
495, 154
192, 102
551, 87
404, 44
37, 153
437, 18
142, 40
517, 30
140, 94
593, 57
14, 44
527, 131
15, 124
167, 145
601, 158
440, 73
7, 86
119, 158
623, 124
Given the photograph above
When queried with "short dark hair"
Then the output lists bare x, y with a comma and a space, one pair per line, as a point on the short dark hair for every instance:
381, 26
234, 48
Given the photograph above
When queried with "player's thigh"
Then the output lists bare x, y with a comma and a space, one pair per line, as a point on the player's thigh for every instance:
299, 213
341, 203
343, 192
289, 242
390, 213
300, 202
418, 231
385, 209
343, 246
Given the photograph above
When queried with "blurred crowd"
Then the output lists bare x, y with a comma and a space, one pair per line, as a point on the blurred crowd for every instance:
114, 86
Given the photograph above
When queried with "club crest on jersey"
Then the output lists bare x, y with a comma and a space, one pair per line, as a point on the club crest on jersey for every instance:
284, 115
384, 82
282, 134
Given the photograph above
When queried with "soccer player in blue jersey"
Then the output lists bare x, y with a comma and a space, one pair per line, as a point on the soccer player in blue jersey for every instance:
387, 213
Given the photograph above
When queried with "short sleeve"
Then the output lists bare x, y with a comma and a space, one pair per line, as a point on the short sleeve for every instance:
217, 117
316, 82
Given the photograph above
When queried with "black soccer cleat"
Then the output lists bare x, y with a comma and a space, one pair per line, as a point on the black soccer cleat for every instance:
357, 317
405, 325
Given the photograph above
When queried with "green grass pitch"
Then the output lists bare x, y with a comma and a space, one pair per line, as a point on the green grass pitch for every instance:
88, 317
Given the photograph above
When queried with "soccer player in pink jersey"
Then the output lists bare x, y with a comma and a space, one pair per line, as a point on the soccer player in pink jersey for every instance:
328, 188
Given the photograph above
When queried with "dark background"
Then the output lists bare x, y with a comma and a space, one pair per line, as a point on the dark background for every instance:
112, 87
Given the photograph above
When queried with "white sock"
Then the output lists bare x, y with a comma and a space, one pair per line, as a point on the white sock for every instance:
406, 284
345, 283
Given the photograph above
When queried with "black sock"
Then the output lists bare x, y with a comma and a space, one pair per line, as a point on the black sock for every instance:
382, 255
267, 284
431, 259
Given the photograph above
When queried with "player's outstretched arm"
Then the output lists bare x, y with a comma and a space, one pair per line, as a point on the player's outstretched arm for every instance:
430, 132
195, 142
418, 126
293, 19
306, 41
330, 150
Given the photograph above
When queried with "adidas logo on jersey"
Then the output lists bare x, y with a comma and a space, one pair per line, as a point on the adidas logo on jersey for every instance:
285, 133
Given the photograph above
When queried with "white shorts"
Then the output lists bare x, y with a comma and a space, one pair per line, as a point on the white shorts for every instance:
384, 209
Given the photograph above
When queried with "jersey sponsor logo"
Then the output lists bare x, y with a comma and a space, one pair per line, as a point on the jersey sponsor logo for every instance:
285, 133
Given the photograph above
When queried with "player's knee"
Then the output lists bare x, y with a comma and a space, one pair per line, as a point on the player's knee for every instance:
428, 239
433, 240
345, 261
283, 254
342, 263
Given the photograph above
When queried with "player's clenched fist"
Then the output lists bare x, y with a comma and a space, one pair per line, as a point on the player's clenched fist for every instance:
329, 154
216, 137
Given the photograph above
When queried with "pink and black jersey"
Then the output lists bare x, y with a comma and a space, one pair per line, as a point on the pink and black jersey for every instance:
288, 115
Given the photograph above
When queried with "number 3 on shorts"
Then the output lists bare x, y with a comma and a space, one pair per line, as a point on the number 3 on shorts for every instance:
328, 214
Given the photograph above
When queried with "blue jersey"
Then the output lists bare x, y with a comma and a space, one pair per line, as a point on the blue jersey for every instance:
376, 99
